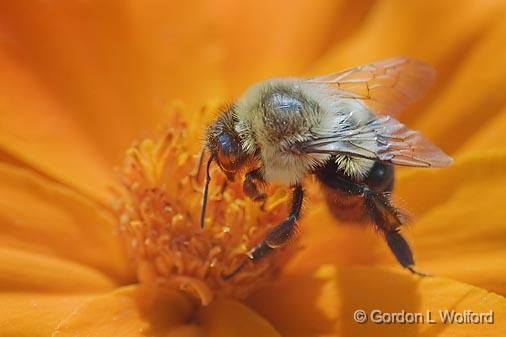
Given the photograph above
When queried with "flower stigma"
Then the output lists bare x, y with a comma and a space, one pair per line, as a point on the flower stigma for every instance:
158, 210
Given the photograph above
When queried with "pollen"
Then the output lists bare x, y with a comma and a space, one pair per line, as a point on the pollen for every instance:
158, 211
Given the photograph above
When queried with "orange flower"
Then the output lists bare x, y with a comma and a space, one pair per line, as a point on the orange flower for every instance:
82, 80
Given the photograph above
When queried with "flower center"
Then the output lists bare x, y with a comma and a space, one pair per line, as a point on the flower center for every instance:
158, 211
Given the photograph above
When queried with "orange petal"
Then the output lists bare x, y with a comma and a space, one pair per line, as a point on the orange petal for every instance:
327, 240
25, 272
489, 136
323, 304
99, 75
231, 318
474, 96
35, 315
458, 231
38, 131
185, 330
137, 311
465, 45
81, 80
129, 311
45, 218
113, 66
283, 47
434, 31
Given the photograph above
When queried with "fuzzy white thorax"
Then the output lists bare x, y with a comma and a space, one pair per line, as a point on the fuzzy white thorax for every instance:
333, 113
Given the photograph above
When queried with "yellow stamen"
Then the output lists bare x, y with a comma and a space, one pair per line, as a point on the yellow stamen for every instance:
158, 212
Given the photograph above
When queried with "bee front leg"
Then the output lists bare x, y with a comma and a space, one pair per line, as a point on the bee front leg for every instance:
252, 185
280, 235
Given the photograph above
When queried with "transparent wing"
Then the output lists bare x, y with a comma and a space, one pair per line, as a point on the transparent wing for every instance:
386, 86
383, 138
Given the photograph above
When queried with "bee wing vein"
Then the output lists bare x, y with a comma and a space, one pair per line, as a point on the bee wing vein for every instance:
382, 138
386, 86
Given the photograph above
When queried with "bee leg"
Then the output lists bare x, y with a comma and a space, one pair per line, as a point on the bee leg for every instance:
375, 199
387, 218
279, 236
252, 185
282, 233
401, 250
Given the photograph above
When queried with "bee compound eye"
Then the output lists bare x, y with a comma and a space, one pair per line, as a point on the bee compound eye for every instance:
226, 144
228, 152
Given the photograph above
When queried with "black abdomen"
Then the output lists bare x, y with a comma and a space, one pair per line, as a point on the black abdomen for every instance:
345, 200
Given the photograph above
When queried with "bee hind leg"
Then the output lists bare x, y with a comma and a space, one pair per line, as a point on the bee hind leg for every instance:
387, 218
374, 196
279, 236
402, 252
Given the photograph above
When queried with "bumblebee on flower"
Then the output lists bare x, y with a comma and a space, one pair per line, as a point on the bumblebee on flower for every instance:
329, 126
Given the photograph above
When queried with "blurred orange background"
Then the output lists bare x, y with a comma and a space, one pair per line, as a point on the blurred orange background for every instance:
110, 68
80, 80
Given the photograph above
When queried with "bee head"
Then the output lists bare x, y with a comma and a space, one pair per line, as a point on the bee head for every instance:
224, 144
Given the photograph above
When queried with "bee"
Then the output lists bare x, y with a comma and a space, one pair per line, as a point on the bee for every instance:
340, 128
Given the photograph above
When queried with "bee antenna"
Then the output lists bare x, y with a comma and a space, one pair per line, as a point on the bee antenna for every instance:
199, 164
205, 192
